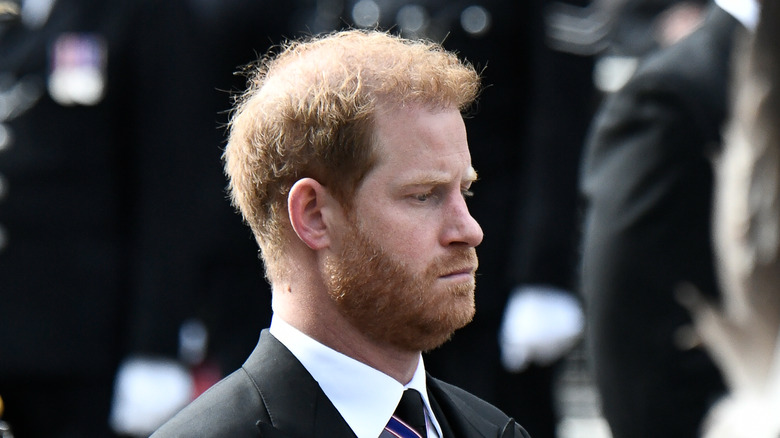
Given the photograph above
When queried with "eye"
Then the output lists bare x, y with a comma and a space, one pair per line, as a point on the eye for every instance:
422, 197
466, 193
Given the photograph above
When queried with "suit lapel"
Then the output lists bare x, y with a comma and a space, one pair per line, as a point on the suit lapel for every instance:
455, 417
441, 417
295, 406
460, 418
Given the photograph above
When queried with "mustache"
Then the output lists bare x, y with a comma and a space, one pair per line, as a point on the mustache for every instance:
462, 258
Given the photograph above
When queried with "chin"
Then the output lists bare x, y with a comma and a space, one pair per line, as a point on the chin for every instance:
441, 328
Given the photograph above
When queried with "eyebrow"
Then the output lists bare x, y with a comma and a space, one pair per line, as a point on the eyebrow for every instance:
434, 180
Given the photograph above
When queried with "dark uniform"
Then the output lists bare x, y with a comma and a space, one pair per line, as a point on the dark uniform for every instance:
62, 215
192, 255
648, 180
114, 224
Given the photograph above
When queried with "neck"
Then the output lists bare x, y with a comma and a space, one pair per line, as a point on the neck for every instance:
396, 363
314, 313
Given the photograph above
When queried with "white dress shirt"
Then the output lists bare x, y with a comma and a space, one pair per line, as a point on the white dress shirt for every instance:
365, 397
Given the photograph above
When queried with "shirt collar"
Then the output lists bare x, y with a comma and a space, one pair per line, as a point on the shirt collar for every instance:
745, 11
365, 397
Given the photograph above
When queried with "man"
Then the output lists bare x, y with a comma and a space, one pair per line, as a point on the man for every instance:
528, 248
348, 158
648, 180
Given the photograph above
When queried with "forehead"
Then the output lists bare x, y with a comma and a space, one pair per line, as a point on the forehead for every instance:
415, 141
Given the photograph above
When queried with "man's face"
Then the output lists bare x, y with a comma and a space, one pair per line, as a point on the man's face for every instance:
403, 269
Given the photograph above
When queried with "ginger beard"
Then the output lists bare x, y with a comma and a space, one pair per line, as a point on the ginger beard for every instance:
391, 304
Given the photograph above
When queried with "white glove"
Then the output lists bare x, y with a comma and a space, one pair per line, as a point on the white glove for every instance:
147, 392
541, 324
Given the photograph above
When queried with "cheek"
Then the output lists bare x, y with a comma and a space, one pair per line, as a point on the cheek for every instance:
410, 234
408, 241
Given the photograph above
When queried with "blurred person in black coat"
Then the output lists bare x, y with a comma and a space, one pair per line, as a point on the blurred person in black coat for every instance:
185, 54
63, 155
647, 178
192, 269
109, 134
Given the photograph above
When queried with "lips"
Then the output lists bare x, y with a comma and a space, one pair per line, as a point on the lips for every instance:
463, 271
457, 264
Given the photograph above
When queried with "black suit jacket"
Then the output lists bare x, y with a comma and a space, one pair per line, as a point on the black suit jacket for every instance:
273, 395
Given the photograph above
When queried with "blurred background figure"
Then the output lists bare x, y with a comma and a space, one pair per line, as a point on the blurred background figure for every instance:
63, 172
647, 179
118, 249
620, 32
192, 270
741, 331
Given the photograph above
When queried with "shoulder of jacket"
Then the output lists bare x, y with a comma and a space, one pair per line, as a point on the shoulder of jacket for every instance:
230, 408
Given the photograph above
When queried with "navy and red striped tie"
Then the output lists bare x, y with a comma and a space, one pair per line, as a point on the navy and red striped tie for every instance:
408, 421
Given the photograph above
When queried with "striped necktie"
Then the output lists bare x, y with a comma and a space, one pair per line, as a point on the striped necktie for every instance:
408, 421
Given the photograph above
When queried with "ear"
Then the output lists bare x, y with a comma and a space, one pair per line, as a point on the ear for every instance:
307, 205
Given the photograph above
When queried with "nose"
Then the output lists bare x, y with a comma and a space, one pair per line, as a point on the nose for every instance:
460, 227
